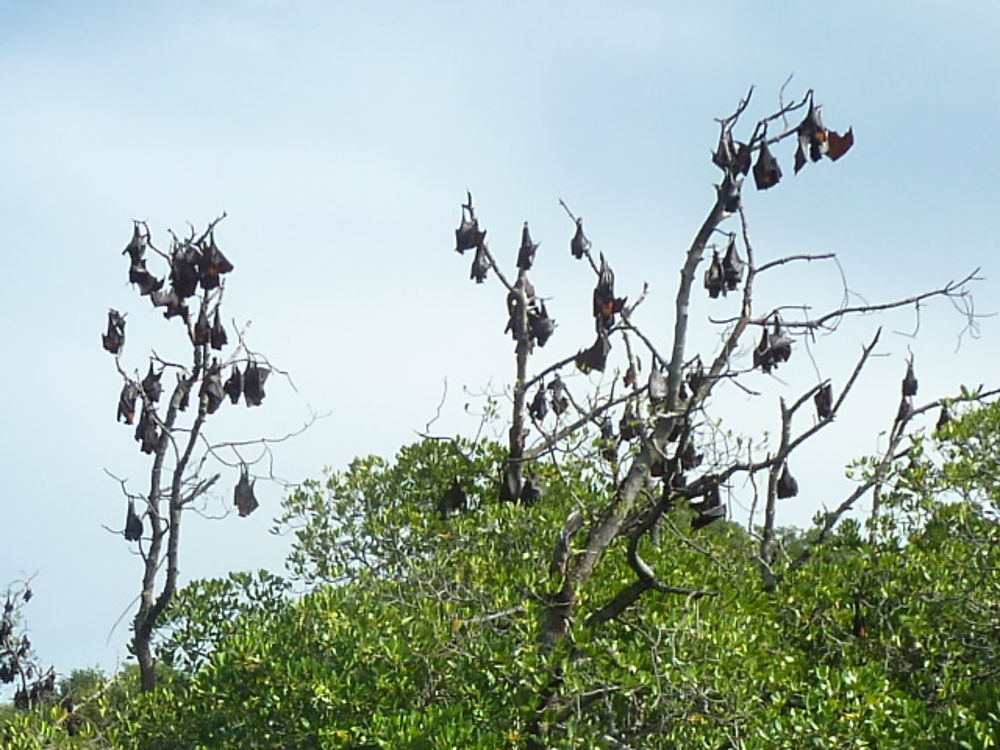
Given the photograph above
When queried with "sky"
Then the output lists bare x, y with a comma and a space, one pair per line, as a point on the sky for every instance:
340, 139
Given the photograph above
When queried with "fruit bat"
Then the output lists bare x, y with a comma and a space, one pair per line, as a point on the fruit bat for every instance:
146, 432
243, 497
605, 302
480, 264
253, 384
184, 388
136, 248
579, 245
126, 402
184, 264
468, 235
540, 325
824, 402
532, 491
174, 304
212, 264
657, 384
515, 320
560, 399
453, 501
773, 348
133, 524
689, 458
510, 488
202, 332
695, 375
714, 276
815, 140
560, 555
211, 393
909, 381
943, 418
609, 451
218, 337
729, 194
526, 253
732, 267
710, 516
234, 385
627, 427
538, 407
766, 172
114, 339
151, 385
713, 498
731, 157
137, 274
787, 486
596, 357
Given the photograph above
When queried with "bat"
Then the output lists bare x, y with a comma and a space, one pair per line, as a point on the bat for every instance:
515, 321
609, 451
217, 336
114, 339
133, 524
710, 516
526, 253
510, 487
579, 245
136, 248
815, 140
943, 418
560, 555
909, 381
184, 263
137, 274
732, 157
234, 385
787, 486
468, 235
732, 267
824, 402
532, 491
184, 388
560, 398
480, 264
453, 501
212, 264
151, 385
243, 496
540, 325
254, 378
766, 172
211, 393
713, 498
174, 304
838, 145
657, 383
689, 458
714, 276
729, 194
773, 348
126, 402
695, 375
538, 407
628, 426
146, 433
605, 302
202, 332
596, 357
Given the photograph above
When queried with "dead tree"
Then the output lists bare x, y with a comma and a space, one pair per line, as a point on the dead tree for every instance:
19, 666
170, 420
660, 459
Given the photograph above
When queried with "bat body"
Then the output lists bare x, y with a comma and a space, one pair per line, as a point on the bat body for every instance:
909, 384
787, 484
714, 276
152, 388
732, 267
217, 336
234, 385
211, 393
766, 172
605, 302
243, 496
579, 245
253, 384
126, 402
211, 264
201, 334
146, 433
560, 398
453, 501
824, 402
540, 325
538, 407
596, 357
532, 491
133, 524
114, 339
480, 264
526, 253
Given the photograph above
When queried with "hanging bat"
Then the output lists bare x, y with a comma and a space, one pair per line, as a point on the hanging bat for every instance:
243, 496
184, 263
184, 390
713, 498
824, 402
211, 393
766, 172
151, 385
714, 276
253, 384
174, 304
732, 267
515, 320
114, 339
710, 516
234, 385
773, 348
787, 486
729, 194
468, 236
560, 399
731, 157
560, 555
133, 524
147, 283
943, 418
126, 402
532, 491
605, 302
526, 253
201, 334
695, 375
579, 245
609, 451
540, 325
815, 140
146, 433
909, 381
453, 501
538, 407
510, 487
480, 264
657, 383
217, 336
136, 248
689, 458
596, 357
628, 426
212, 264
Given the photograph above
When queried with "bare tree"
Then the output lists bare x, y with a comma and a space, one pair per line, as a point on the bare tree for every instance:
662, 456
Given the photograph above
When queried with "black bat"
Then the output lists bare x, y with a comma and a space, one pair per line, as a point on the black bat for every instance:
532, 491
560, 398
629, 424
787, 486
824, 402
689, 458
212, 264
579, 245
174, 304
943, 418
540, 325
133, 524
137, 274
114, 339
202, 332
596, 357
234, 385
453, 501
816, 140
732, 157
773, 348
151, 385
732, 267
211, 392
243, 496
766, 172
538, 407
136, 248
146, 433
526, 253
253, 384
480, 264
184, 263
609, 451
710, 516
515, 320
713, 498
729, 194
218, 337
605, 302
714, 276
468, 235
909, 381
510, 488
126, 402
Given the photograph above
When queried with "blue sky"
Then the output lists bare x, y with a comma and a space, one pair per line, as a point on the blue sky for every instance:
340, 138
